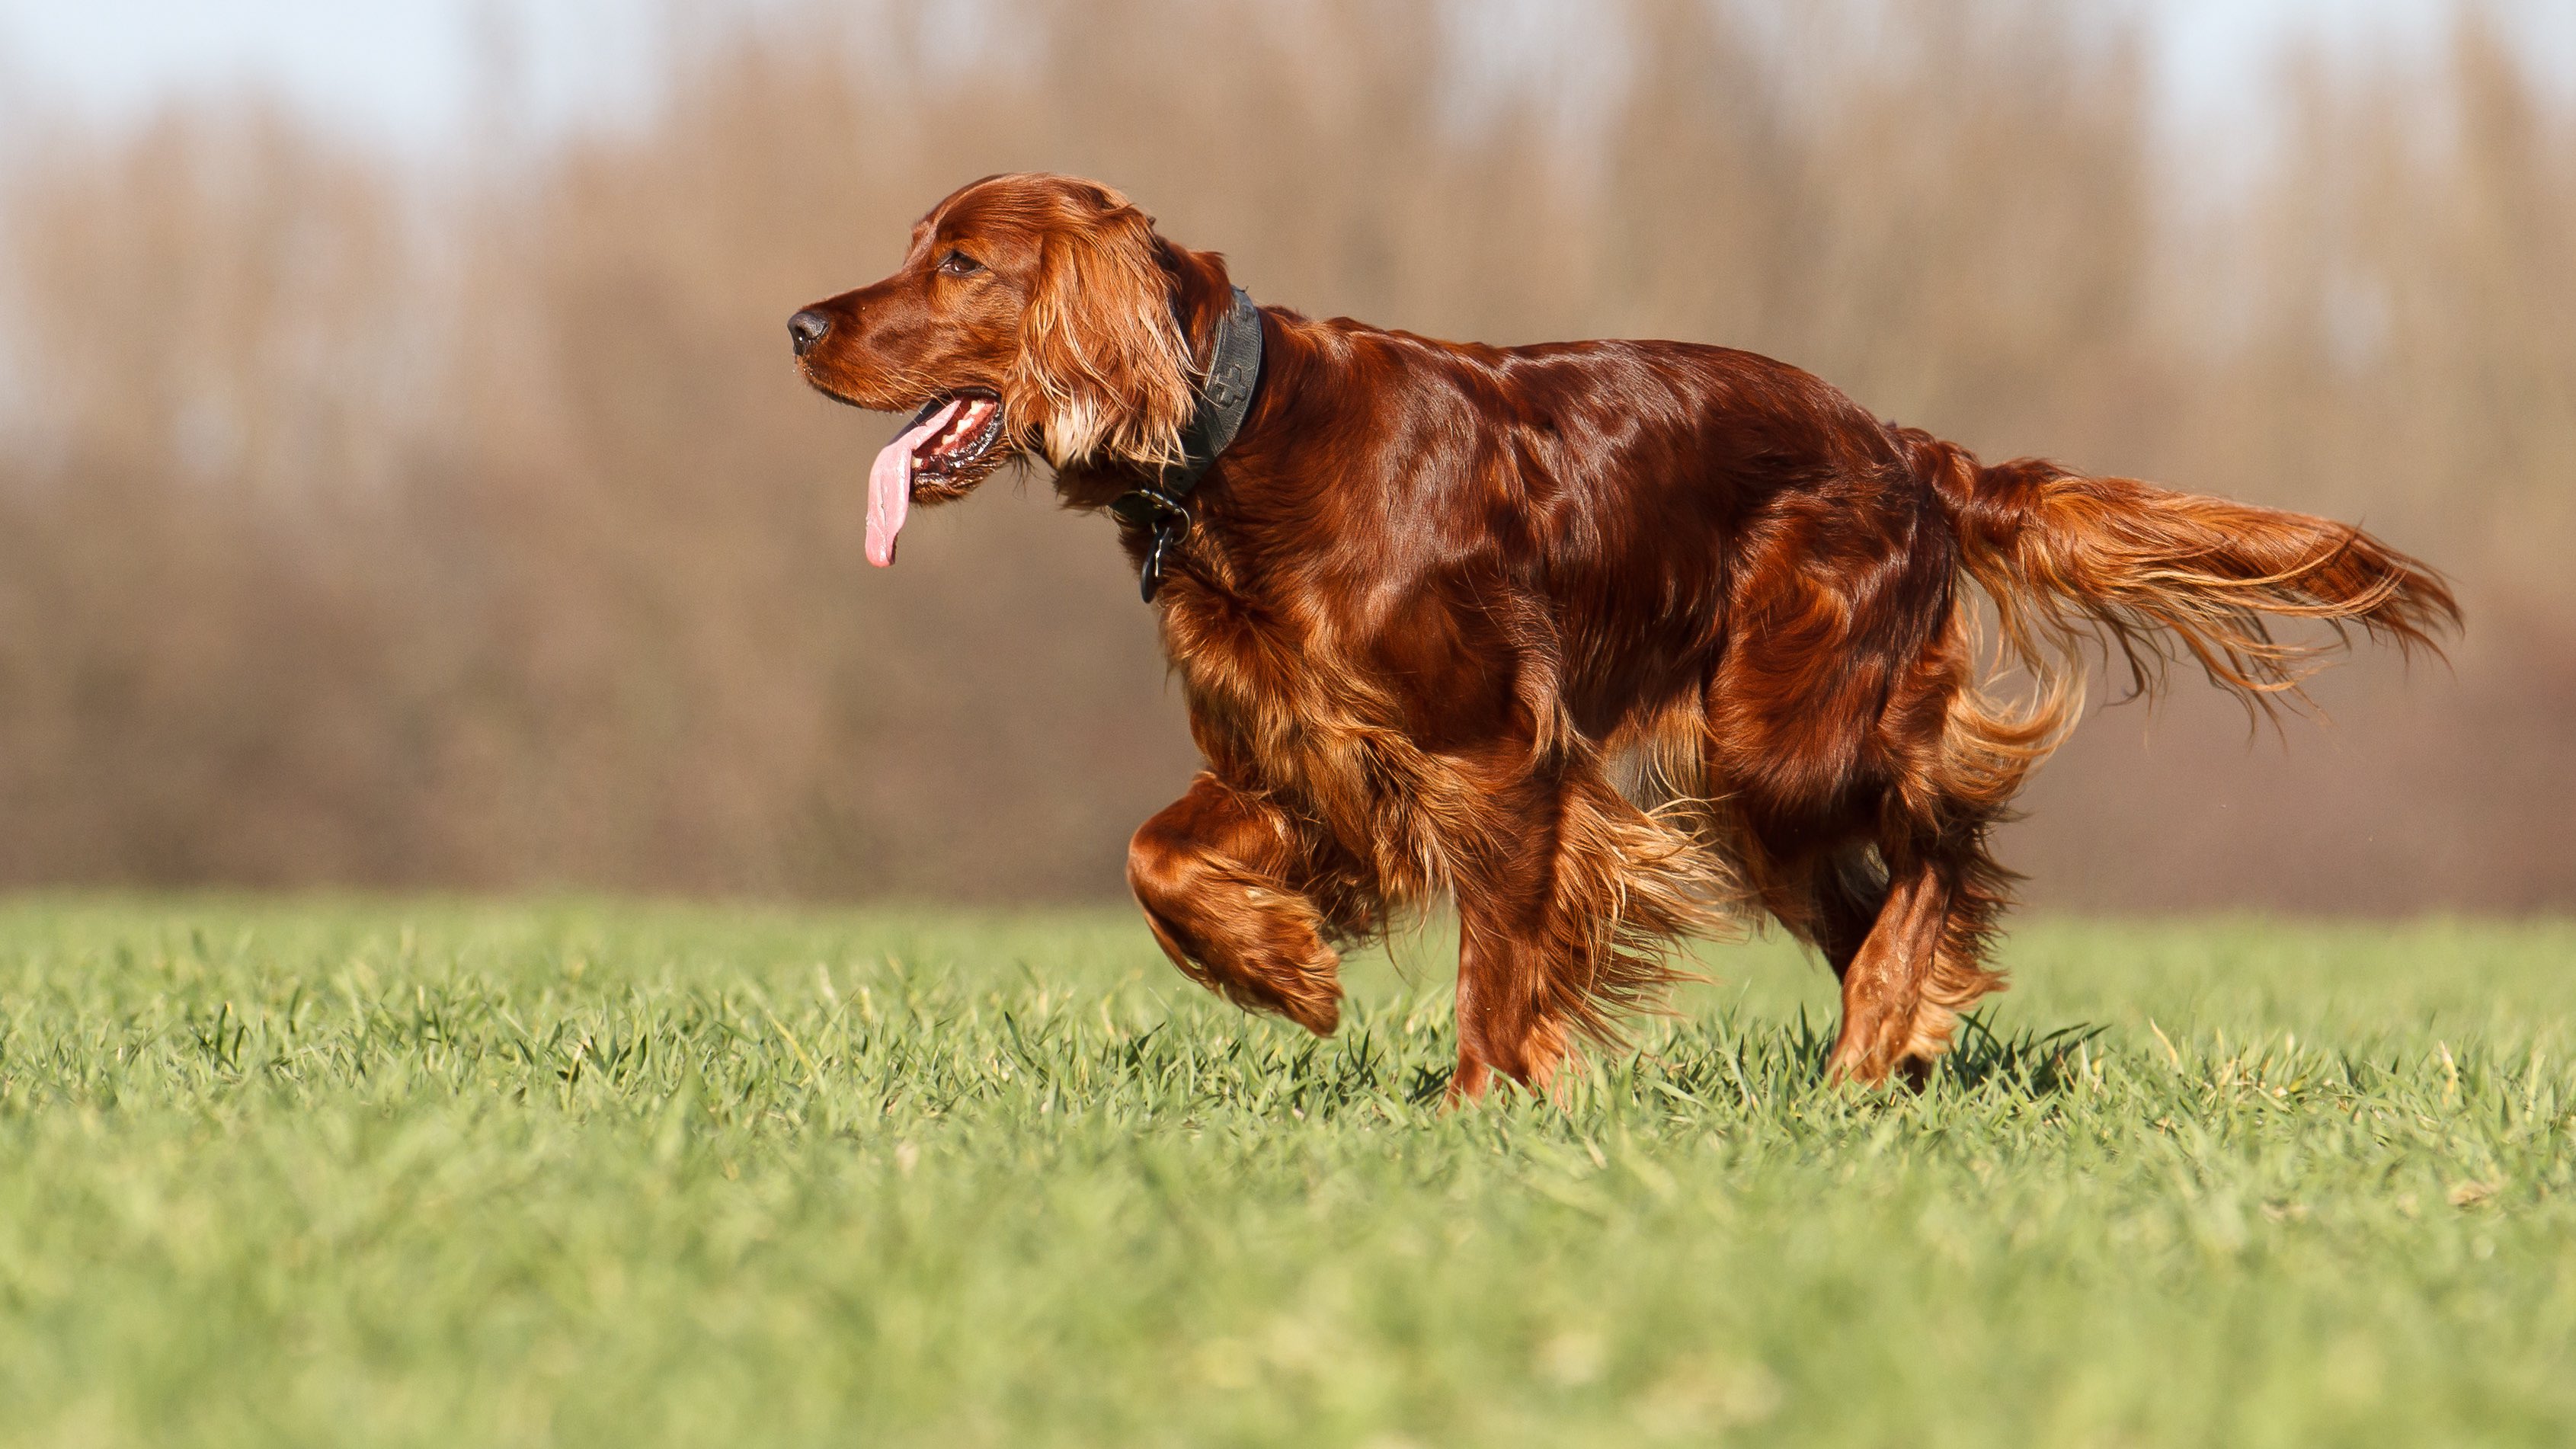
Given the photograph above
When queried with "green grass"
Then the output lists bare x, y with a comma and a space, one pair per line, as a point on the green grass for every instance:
354, 1173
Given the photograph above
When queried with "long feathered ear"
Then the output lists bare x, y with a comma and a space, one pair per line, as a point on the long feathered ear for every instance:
1104, 372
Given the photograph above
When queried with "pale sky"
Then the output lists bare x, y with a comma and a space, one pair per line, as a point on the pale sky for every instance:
403, 71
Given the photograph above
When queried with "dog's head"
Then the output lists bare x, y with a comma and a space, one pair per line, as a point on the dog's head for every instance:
1033, 315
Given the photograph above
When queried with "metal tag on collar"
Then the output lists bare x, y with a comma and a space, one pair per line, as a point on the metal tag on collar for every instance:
1152, 578
1166, 517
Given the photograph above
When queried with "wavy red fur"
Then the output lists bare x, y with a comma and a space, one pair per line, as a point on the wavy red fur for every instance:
1612, 643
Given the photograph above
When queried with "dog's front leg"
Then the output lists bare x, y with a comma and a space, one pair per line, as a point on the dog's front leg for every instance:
1512, 945
1567, 907
1216, 873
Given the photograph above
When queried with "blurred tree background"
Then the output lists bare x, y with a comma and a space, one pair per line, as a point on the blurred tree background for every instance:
371, 521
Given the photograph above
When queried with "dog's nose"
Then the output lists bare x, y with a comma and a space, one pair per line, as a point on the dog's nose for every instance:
807, 328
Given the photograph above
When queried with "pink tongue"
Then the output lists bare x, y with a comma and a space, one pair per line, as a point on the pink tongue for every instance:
890, 483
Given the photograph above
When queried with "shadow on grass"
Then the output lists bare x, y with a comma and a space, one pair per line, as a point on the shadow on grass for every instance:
1755, 1066
2028, 1063
1785, 1059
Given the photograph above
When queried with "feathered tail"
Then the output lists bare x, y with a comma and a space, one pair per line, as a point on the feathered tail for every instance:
2162, 576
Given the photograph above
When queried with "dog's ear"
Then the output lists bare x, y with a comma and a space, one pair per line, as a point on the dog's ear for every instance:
1104, 371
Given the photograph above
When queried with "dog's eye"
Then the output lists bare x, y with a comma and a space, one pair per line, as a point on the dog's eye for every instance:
958, 264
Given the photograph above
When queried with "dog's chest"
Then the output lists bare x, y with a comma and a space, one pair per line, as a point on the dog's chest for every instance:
1323, 719
1276, 704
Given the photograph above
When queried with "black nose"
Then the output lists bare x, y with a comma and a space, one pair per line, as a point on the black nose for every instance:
807, 328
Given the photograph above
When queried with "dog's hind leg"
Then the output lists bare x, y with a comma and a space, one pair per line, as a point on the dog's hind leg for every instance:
1920, 965
1230, 886
1843, 894
1883, 983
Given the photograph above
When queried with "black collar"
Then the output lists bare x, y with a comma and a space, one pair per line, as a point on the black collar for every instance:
1225, 398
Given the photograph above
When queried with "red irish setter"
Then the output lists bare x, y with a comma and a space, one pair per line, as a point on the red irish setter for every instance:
1614, 642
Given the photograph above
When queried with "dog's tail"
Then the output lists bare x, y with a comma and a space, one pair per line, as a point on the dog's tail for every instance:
2162, 576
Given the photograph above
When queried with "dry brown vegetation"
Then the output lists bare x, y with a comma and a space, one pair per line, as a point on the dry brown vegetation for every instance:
364, 523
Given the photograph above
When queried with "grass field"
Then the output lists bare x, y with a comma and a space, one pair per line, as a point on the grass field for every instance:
357, 1173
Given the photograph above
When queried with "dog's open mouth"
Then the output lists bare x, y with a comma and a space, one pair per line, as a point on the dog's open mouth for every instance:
963, 428
945, 442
